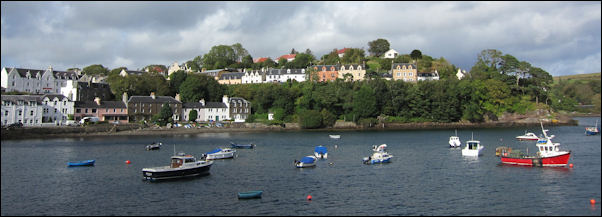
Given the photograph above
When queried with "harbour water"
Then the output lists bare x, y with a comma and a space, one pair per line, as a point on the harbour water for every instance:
425, 177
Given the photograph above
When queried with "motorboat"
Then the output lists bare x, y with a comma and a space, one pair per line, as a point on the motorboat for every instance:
307, 161
334, 136
548, 154
249, 194
380, 155
454, 141
81, 163
473, 148
247, 146
220, 153
182, 165
590, 131
321, 152
528, 136
154, 146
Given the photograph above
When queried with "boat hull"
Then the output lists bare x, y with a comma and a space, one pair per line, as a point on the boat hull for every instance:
81, 163
321, 155
591, 132
242, 146
556, 161
150, 174
249, 194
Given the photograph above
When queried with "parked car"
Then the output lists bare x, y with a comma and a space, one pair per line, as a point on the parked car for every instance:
89, 119
71, 123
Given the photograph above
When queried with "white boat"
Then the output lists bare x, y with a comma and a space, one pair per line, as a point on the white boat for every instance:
454, 141
528, 136
472, 148
379, 156
334, 136
307, 161
321, 152
220, 153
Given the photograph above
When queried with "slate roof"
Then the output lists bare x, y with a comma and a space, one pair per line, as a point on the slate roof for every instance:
103, 104
26, 98
394, 65
149, 99
34, 72
207, 105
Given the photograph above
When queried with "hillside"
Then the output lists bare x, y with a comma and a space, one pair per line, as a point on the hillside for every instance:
582, 77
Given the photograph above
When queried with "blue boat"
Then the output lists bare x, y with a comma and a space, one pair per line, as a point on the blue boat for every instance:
81, 163
590, 131
321, 152
248, 146
307, 161
249, 194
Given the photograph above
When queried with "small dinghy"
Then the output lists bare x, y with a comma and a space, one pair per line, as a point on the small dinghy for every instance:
247, 146
249, 194
307, 161
81, 163
154, 146
321, 152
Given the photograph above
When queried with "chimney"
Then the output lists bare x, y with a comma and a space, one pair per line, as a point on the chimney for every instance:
202, 101
97, 100
225, 99
153, 95
124, 98
178, 97
50, 68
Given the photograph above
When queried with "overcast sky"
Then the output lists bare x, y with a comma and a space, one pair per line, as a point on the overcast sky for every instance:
560, 37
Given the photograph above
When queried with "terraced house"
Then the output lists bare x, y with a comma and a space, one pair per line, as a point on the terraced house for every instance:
144, 107
37, 81
404, 71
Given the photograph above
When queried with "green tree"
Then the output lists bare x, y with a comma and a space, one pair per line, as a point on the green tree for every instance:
175, 81
353, 56
310, 119
200, 86
378, 47
192, 115
239, 52
416, 54
96, 69
219, 57
364, 103
328, 119
164, 116
247, 61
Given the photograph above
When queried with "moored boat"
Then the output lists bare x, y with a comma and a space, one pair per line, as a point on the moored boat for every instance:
332, 136
548, 154
321, 152
590, 131
182, 165
81, 163
380, 155
249, 194
220, 153
454, 141
307, 161
247, 146
528, 136
154, 146
473, 148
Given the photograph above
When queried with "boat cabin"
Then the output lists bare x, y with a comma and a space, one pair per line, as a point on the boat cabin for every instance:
473, 145
178, 161
547, 148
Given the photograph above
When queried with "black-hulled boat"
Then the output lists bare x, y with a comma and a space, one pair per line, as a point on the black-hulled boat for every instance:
181, 166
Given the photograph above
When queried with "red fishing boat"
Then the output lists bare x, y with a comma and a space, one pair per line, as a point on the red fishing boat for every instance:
548, 155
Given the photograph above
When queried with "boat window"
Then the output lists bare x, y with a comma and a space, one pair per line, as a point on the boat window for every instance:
557, 149
189, 160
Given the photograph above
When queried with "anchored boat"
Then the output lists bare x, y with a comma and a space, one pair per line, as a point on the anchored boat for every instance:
81, 163
182, 165
548, 155
220, 153
454, 141
307, 161
321, 152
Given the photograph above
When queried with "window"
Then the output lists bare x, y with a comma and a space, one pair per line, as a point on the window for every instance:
31, 112
93, 110
86, 110
78, 110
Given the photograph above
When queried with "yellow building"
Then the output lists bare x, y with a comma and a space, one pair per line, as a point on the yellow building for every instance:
357, 72
404, 71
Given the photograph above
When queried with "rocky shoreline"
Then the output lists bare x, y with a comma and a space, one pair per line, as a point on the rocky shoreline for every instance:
139, 130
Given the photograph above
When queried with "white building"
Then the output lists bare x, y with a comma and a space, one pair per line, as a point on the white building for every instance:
235, 108
253, 76
461, 74
56, 109
428, 76
391, 54
36, 81
25, 109
36, 110
293, 74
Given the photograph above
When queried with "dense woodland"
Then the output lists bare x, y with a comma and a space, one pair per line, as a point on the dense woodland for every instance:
496, 84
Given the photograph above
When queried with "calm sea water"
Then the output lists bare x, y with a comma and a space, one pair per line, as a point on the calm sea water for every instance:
425, 176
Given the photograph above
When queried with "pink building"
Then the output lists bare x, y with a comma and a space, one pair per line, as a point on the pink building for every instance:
110, 111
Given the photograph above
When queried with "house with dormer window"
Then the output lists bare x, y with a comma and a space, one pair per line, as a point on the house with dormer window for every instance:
404, 71
36, 81
354, 72
326, 73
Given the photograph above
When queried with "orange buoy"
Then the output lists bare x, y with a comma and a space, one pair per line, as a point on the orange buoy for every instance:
571, 165
308, 197
127, 162
592, 201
